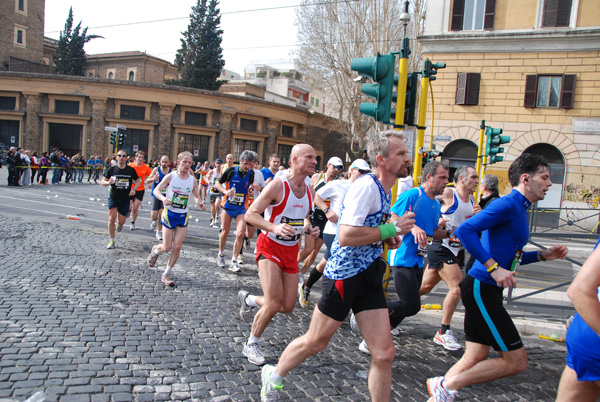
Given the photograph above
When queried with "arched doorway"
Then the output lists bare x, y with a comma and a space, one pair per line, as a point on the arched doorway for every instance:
460, 153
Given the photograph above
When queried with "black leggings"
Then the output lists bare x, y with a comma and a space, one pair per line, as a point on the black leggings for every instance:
408, 283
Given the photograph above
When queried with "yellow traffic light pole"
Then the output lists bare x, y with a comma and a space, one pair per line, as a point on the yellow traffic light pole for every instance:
480, 155
421, 128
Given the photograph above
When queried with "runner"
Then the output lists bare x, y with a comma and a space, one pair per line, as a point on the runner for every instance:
504, 229
204, 179
285, 203
214, 195
143, 172
335, 191
270, 172
178, 185
444, 258
120, 178
158, 173
254, 192
354, 272
237, 180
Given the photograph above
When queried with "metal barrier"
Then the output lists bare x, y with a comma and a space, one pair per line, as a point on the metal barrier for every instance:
578, 220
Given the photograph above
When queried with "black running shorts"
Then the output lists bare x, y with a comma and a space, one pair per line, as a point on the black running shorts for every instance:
438, 255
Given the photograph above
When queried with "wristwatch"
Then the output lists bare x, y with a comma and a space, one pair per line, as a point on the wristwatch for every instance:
325, 210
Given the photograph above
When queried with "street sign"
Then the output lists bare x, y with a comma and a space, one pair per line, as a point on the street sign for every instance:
442, 138
110, 129
121, 127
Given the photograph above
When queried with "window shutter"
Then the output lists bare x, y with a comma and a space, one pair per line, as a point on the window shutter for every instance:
461, 89
457, 15
567, 92
531, 82
549, 16
490, 11
563, 13
473, 80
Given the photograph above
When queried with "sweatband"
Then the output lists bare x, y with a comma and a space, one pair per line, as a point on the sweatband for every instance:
387, 231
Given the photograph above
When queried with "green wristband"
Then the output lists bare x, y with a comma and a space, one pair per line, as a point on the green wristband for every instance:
387, 231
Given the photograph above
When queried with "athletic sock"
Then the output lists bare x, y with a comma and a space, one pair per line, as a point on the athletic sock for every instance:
252, 339
276, 379
113, 239
251, 301
444, 328
167, 270
314, 276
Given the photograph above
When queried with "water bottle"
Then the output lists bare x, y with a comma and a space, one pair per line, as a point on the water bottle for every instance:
72, 217
231, 198
431, 306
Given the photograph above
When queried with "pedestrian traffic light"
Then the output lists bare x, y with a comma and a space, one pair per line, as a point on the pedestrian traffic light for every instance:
493, 140
381, 70
429, 156
430, 69
121, 138
113, 138
411, 99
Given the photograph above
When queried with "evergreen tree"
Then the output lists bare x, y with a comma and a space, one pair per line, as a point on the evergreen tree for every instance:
70, 57
200, 59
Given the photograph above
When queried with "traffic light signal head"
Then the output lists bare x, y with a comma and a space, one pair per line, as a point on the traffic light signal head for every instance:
381, 70
121, 139
494, 139
113, 138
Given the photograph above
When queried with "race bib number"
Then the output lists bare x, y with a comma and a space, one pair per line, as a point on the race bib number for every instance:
237, 199
180, 200
297, 224
122, 184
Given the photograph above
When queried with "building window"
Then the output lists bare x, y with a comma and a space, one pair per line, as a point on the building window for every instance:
467, 88
284, 152
21, 6
473, 15
133, 112
242, 145
20, 36
287, 131
111, 76
316, 102
557, 13
249, 125
8, 102
551, 91
196, 119
91, 75
312, 100
131, 76
66, 107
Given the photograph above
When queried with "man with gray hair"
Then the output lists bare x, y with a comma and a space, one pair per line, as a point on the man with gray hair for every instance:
354, 272
234, 184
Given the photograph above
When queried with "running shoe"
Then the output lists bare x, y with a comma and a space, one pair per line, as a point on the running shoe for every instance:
221, 261
214, 225
166, 279
438, 391
253, 353
246, 242
151, 260
447, 340
245, 309
354, 324
268, 391
240, 260
234, 267
159, 235
303, 295
364, 348
119, 227
153, 225
111, 244
396, 331
132, 226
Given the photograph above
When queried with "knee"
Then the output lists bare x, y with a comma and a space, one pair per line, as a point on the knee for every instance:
413, 308
455, 292
519, 365
425, 289
273, 305
239, 234
383, 356
177, 248
166, 248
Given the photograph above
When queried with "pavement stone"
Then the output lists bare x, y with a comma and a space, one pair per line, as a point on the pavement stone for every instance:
84, 323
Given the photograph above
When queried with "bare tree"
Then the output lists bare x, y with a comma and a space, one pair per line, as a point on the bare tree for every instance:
332, 33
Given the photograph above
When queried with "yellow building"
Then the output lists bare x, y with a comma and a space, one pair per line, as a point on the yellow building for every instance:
530, 68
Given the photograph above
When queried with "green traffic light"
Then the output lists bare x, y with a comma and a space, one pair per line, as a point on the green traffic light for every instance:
381, 70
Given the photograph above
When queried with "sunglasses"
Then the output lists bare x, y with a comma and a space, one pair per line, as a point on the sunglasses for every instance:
338, 167
122, 156
364, 171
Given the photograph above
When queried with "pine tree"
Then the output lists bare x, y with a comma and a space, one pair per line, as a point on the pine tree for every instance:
70, 57
200, 59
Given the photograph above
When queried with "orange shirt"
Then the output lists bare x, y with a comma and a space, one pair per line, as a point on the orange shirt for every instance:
143, 172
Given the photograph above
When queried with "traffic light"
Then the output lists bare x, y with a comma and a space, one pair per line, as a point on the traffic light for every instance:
411, 99
381, 70
113, 138
429, 156
493, 140
430, 69
121, 138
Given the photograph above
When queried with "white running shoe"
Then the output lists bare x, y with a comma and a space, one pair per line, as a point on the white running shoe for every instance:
240, 260
151, 260
438, 391
396, 331
354, 324
245, 309
268, 391
246, 242
303, 295
253, 353
153, 225
221, 261
447, 340
364, 348
234, 267
132, 226
159, 235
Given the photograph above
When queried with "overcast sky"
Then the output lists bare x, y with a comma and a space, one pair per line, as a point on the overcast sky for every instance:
155, 26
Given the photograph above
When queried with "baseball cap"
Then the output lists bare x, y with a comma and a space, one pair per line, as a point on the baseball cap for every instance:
219, 161
335, 161
360, 164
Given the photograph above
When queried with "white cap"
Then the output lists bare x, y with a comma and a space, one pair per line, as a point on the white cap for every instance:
335, 161
360, 164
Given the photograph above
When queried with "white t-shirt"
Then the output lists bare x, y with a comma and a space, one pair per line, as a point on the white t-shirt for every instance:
362, 199
335, 191
406, 183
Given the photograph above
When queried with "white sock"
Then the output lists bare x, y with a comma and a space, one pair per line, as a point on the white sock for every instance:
251, 301
252, 339
221, 253
167, 270
113, 239
276, 379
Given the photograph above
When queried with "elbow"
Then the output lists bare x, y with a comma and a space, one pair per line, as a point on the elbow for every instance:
343, 240
574, 293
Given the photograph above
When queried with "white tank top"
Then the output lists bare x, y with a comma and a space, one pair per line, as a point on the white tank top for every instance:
290, 210
456, 214
178, 191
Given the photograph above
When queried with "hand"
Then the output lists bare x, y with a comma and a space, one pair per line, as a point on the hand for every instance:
420, 236
268, 180
230, 193
167, 202
393, 242
476, 208
504, 278
405, 222
442, 223
556, 251
112, 180
132, 192
314, 231
331, 216
284, 230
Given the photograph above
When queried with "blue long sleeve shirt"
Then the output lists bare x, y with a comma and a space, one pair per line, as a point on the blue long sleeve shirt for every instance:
504, 229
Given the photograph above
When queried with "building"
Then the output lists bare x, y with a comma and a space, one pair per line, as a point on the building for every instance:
530, 68
130, 66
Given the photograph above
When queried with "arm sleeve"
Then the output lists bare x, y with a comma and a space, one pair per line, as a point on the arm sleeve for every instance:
406, 201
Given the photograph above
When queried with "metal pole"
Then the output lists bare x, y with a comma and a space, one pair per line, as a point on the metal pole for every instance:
421, 121
479, 157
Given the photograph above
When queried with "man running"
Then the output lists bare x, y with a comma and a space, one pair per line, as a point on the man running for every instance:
285, 203
143, 172
122, 179
504, 229
234, 184
354, 272
270, 172
158, 173
214, 195
178, 185
457, 205
204, 179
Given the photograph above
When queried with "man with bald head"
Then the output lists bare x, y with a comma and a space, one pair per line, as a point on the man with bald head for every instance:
285, 203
